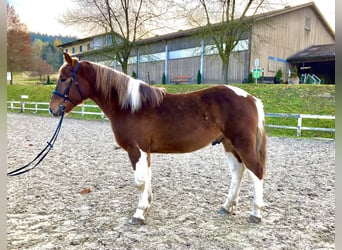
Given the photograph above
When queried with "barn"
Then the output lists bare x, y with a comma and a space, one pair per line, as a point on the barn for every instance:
277, 41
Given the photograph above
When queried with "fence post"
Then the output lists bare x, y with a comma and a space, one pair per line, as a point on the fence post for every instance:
22, 99
82, 110
299, 125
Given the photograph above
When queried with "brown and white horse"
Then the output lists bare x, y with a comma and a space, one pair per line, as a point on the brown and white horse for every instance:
147, 120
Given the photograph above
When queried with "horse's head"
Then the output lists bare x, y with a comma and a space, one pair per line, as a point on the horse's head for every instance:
68, 93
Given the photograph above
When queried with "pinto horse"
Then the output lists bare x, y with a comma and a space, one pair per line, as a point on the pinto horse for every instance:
146, 120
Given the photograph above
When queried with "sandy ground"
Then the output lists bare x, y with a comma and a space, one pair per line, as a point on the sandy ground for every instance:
83, 195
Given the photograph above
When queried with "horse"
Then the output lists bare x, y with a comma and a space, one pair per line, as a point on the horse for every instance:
147, 119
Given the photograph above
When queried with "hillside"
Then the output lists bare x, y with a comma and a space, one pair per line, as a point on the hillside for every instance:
50, 39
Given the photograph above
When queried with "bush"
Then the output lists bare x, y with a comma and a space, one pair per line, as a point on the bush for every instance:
250, 78
278, 76
199, 77
163, 78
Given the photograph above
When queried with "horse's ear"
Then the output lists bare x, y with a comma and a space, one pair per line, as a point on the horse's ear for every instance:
70, 60
67, 58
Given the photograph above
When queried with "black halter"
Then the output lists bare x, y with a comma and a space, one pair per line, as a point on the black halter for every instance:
65, 96
39, 158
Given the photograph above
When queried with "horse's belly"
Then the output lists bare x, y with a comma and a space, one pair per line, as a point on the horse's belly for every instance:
183, 142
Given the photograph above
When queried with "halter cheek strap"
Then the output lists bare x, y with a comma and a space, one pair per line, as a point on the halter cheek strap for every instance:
66, 92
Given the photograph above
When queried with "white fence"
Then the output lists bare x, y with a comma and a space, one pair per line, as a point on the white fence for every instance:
88, 109
34, 107
300, 118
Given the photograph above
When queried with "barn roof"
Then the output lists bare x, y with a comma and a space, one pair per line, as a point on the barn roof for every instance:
314, 53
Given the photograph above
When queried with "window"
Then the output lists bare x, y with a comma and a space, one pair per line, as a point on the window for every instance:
73, 50
272, 64
81, 47
108, 40
88, 46
307, 24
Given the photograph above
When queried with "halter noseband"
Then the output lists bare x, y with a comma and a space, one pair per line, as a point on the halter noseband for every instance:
65, 96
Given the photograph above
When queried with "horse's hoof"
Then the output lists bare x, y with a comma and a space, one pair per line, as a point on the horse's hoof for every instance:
254, 219
223, 211
137, 221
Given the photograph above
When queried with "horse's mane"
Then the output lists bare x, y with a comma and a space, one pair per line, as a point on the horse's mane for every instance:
132, 93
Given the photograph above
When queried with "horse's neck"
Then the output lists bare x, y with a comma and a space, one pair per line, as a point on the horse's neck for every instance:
108, 106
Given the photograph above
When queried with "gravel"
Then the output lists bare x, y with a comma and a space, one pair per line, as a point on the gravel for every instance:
82, 195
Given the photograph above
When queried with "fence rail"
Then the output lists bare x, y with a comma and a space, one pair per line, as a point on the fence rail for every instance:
95, 110
82, 109
300, 118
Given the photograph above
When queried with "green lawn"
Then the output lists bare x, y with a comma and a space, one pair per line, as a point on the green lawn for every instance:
277, 98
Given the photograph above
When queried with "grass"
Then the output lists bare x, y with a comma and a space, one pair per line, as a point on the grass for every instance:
277, 98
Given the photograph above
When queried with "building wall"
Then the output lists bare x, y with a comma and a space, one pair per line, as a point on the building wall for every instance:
79, 47
272, 41
277, 38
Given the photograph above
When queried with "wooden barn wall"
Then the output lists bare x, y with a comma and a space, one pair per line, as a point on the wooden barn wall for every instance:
150, 72
285, 35
183, 43
237, 68
184, 67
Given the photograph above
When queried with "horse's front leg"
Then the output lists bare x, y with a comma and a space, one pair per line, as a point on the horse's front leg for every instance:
142, 179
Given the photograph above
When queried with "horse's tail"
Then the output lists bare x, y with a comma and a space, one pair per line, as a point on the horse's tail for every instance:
261, 136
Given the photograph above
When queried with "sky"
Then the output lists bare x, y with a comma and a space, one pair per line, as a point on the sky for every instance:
41, 15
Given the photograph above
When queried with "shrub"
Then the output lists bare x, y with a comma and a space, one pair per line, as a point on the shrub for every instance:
278, 76
250, 78
199, 77
163, 78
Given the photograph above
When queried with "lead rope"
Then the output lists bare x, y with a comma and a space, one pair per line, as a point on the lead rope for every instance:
38, 159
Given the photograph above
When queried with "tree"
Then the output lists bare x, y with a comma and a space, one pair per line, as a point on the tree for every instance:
125, 22
223, 22
41, 68
18, 44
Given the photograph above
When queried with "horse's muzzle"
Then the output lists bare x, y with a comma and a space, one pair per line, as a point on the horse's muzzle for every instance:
57, 112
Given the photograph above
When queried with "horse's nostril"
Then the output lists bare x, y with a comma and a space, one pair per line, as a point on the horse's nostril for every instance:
54, 113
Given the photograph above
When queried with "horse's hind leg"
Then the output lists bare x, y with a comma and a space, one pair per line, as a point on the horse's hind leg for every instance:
237, 169
258, 202
250, 160
142, 178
